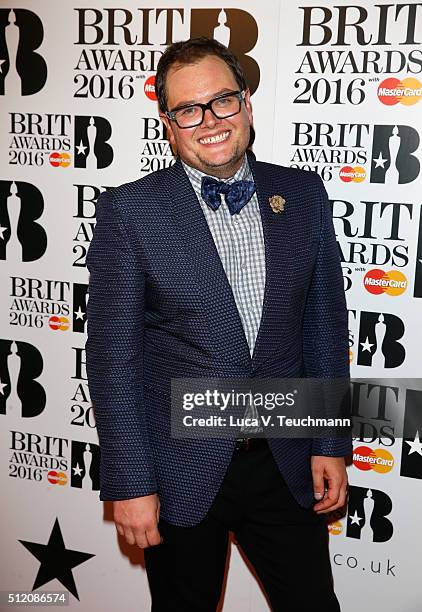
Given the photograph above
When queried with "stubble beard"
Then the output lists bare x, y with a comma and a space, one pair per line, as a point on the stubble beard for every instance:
226, 170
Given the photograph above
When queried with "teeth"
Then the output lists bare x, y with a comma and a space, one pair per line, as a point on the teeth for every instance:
213, 139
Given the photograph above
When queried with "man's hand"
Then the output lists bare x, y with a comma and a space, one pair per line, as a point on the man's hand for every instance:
333, 470
136, 520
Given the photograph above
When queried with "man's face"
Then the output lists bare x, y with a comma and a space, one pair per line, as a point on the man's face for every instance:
200, 82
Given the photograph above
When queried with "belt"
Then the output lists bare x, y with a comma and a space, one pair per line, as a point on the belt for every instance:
248, 444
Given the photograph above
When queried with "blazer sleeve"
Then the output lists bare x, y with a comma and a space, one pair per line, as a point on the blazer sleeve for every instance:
114, 357
325, 325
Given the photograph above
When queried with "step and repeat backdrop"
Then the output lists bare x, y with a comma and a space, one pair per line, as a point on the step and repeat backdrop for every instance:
336, 89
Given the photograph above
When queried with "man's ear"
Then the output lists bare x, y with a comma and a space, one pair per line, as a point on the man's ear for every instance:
169, 127
248, 106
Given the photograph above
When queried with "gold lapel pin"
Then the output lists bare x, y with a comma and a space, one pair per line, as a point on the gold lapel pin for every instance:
277, 203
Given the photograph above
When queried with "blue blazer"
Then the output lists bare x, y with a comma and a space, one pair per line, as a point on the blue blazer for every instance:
160, 306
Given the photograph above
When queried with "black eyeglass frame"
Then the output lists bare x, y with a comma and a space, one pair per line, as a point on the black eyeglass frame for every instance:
240, 95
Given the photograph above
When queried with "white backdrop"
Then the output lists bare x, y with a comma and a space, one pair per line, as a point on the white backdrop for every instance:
337, 90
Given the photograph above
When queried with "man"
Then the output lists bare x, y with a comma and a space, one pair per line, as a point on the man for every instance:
192, 278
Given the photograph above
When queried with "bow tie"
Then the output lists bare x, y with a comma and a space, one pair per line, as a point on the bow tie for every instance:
237, 194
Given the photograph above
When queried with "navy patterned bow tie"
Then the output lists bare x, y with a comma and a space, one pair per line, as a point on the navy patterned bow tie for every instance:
237, 194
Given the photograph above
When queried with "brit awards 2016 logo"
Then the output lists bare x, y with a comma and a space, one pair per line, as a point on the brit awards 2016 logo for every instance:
46, 303
373, 234
331, 149
22, 237
117, 46
46, 139
385, 412
354, 152
23, 70
21, 393
54, 460
356, 43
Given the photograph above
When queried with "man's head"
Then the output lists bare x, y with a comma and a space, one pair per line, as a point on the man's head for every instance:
195, 72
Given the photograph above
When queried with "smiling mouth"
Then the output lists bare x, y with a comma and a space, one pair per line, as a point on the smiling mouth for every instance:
215, 139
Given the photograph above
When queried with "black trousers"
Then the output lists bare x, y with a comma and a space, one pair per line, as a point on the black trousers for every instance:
286, 544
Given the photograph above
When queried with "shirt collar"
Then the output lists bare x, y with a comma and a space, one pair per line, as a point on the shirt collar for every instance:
195, 175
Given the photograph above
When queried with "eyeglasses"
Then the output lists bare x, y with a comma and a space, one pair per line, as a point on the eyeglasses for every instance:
221, 107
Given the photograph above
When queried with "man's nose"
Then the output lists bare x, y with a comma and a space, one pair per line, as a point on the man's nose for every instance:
209, 119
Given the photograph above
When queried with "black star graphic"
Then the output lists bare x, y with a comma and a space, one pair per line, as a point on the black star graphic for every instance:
56, 561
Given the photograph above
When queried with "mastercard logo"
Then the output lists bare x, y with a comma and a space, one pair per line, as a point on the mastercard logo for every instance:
349, 174
378, 460
393, 91
335, 528
392, 283
59, 159
149, 88
59, 478
58, 323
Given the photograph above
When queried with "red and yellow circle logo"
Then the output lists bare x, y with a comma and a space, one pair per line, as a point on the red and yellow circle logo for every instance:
59, 478
394, 91
61, 160
392, 283
58, 323
335, 528
149, 88
379, 460
356, 174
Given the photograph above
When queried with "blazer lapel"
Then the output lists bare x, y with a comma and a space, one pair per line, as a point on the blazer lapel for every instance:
277, 248
224, 321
